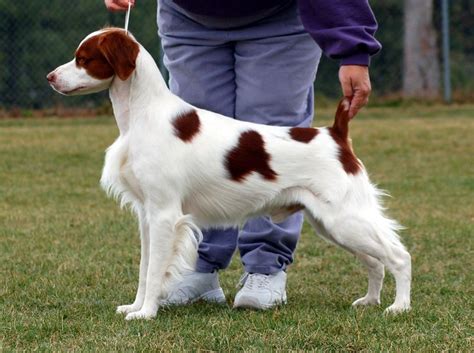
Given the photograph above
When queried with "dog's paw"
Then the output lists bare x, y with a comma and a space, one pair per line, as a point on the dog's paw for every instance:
397, 309
366, 301
141, 315
126, 309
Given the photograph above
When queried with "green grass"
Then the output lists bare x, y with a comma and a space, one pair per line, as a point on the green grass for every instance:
69, 256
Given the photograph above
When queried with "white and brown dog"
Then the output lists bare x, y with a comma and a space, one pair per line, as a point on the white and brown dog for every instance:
182, 168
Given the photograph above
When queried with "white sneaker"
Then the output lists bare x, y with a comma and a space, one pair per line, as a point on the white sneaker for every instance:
261, 291
196, 286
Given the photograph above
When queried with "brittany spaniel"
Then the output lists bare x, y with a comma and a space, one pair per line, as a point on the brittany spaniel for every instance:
181, 168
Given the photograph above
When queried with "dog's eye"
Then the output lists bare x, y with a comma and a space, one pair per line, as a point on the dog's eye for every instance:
81, 61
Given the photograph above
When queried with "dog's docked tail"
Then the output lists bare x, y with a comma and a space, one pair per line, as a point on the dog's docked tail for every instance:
341, 120
340, 133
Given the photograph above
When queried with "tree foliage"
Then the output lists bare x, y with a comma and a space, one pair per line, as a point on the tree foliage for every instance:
37, 36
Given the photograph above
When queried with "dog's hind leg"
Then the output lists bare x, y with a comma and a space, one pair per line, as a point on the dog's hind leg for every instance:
144, 258
375, 267
376, 275
375, 236
373, 240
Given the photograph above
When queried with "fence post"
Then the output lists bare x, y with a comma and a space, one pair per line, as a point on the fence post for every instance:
13, 43
446, 63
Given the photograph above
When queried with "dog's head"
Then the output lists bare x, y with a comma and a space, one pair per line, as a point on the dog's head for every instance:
100, 57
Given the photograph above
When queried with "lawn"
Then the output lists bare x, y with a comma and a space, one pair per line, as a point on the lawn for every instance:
69, 256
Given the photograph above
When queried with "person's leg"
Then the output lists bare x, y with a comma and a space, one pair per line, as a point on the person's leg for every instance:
274, 78
200, 62
266, 247
275, 71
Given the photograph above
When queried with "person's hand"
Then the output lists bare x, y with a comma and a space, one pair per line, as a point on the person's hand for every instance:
118, 5
355, 83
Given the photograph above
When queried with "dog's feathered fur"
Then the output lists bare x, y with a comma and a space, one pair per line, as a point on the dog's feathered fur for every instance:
182, 168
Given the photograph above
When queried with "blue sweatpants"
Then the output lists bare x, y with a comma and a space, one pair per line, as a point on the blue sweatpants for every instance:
262, 72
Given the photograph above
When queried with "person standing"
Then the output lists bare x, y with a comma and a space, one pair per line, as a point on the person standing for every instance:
256, 61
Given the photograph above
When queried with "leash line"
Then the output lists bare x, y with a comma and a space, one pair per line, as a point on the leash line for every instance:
127, 16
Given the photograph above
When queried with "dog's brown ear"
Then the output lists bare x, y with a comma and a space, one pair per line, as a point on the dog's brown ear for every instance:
121, 52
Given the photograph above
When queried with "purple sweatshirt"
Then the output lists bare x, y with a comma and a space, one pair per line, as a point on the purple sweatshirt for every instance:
344, 29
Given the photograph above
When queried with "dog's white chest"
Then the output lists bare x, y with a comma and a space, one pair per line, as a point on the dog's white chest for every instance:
118, 178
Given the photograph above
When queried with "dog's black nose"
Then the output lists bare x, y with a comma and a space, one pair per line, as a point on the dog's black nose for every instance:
51, 77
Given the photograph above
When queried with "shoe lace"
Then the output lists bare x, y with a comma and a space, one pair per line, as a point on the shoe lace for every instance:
254, 281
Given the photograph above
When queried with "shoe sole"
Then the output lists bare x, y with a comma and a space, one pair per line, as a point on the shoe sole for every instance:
213, 296
253, 303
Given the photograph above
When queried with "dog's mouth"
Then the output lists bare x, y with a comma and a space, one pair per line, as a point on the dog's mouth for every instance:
67, 92
74, 90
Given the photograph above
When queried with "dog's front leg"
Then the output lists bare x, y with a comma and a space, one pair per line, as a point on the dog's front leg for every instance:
160, 251
144, 258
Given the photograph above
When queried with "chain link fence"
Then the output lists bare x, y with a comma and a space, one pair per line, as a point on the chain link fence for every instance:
37, 36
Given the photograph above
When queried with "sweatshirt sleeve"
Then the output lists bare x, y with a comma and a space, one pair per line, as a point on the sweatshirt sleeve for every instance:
344, 29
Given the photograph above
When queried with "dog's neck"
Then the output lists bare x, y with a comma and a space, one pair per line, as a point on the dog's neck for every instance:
119, 93
145, 85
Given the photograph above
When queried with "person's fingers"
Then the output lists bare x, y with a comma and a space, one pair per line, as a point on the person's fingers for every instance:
346, 84
362, 90
355, 83
115, 8
118, 5
123, 3
360, 99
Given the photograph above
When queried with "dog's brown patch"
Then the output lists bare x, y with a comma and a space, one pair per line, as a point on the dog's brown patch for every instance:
303, 134
249, 156
90, 58
107, 53
187, 126
340, 134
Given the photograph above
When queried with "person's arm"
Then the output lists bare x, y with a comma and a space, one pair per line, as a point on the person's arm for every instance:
344, 29
118, 5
